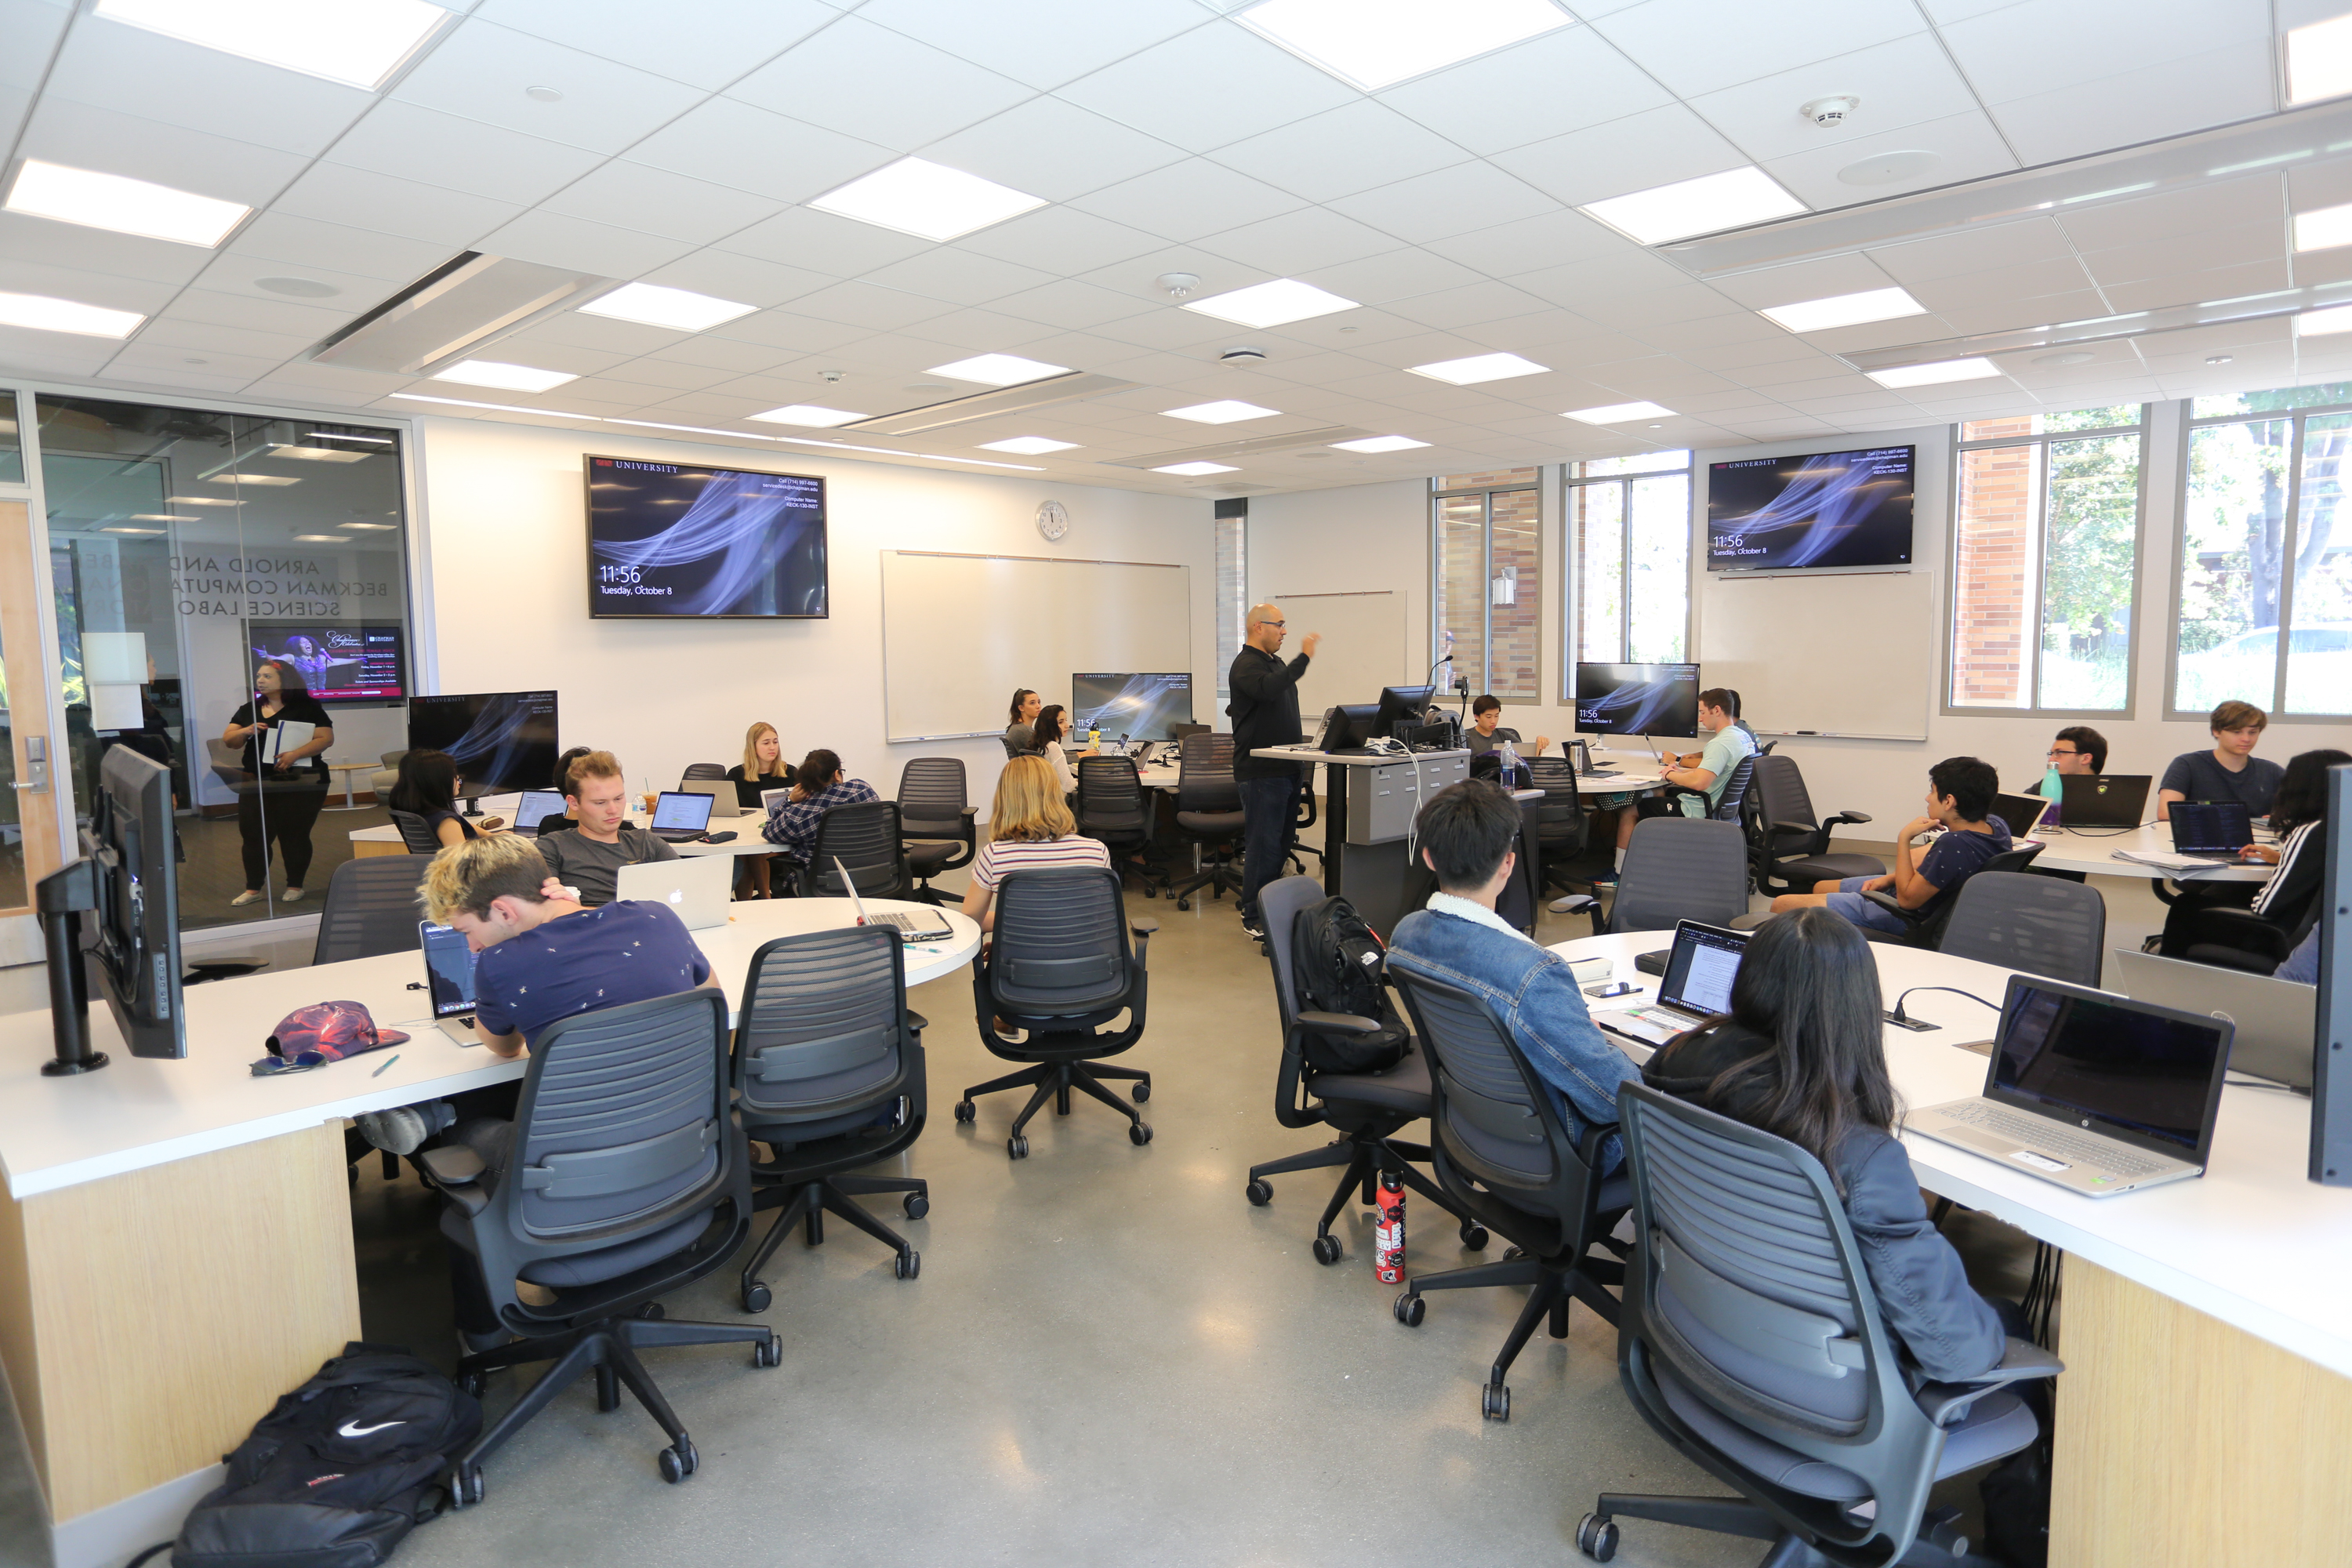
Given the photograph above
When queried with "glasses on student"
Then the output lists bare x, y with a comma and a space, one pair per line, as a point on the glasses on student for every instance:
2069, 751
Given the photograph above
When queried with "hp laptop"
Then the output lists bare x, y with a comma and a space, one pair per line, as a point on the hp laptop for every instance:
910, 927
2277, 1020
2094, 1093
1696, 985
698, 887
2023, 813
680, 818
450, 977
2216, 830
724, 801
534, 807
2102, 800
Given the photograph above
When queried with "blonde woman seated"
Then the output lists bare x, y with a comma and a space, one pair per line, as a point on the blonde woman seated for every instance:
762, 769
1029, 829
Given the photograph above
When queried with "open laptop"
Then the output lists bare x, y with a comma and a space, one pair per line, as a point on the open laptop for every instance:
724, 801
1696, 985
910, 927
2277, 1020
2023, 813
534, 807
2102, 800
697, 886
449, 979
2091, 1091
2215, 830
679, 816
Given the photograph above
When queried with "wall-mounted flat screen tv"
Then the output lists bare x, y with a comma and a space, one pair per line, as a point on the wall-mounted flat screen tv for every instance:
680, 540
340, 661
1822, 509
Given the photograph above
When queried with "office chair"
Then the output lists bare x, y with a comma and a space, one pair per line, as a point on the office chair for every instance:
1502, 1151
2041, 925
1792, 844
829, 1075
1012, 751
1565, 830
1177, 732
372, 908
416, 832
1750, 1339
381, 782
1928, 931
1305, 814
1112, 808
866, 837
627, 1179
1208, 815
1366, 1110
1734, 793
1058, 967
706, 773
1676, 868
935, 814
2240, 939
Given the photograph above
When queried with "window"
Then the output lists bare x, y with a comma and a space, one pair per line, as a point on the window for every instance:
1233, 585
1629, 532
1488, 579
2045, 546
2264, 614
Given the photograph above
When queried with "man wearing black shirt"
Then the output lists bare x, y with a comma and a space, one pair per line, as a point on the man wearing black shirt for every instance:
1265, 711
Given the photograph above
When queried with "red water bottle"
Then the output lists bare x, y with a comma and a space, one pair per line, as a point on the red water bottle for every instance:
1388, 1235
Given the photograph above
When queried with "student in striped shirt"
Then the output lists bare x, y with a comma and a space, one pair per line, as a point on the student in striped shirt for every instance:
1029, 829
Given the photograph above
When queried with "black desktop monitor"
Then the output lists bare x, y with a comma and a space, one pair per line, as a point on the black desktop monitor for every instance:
1404, 707
500, 740
1637, 700
1352, 723
134, 934
1132, 707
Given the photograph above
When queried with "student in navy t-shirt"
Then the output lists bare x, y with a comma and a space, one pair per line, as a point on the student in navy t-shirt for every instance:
1959, 801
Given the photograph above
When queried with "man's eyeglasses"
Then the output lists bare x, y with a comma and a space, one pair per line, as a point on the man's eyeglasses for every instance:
2054, 752
1277, 625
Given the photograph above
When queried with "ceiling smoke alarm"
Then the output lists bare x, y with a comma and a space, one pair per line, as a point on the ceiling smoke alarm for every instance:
1177, 284
1828, 113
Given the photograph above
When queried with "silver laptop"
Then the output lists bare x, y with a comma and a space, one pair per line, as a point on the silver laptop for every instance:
450, 978
535, 807
910, 927
724, 801
1696, 985
697, 886
2093, 1092
2277, 1020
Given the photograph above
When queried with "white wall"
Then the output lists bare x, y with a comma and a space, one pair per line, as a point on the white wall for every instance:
507, 568
1363, 538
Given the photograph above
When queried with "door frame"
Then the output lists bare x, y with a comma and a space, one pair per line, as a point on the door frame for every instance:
27, 596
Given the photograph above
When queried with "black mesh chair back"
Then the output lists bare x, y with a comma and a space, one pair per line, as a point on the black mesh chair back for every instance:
703, 770
416, 833
931, 798
1681, 868
822, 1038
372, 908
2039, 925
1929, 925
1789, 840
1206, 781
1734, 793
865, 838
1493, 1120
1179, 733
1564, 830
1059, 949
1112, 803
1781, 795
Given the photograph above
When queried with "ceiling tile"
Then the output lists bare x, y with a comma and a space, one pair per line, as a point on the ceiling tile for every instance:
2153, 258
480, 71
708, 43
1067, 302
1052, 149
1563, 81
747, 148
1452, 310
1060, 240
1207, 88
879, 85
861, 304
2228, 83
140, 359
1462, 199
419, 143
54, 354
1995, 285
746, 279
660, 202
1529, 245
958, 277
572, 330
1187, 200
84, 136
134, 71
1299, 242
724, 353
800, 237
1042, 42
1951, 255
310, 322
1966, 147
1703, 45
2044, 46
1625, 271
65, 281
1341, 151
552, 239
198, 337
359, 198
307, 242
2189, 288
1907, 82
71, 247
236, 272
1656, 147
1769, 286
2254, 203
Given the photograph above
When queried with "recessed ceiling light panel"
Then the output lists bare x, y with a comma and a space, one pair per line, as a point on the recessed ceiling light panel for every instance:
998, 370
1845, 310
319, 454
809, 414
2324, 323
1896, 377
198, 501
650, 304
1224, 411
930, 200
125, 205
2323, 229
504, 377
356, 42
1370, 46
45, 313
1617, 413
1193, 468
1274, 304
1378, 444
2319, 60
1712, 202
251, 480
1029, 445
1479, 367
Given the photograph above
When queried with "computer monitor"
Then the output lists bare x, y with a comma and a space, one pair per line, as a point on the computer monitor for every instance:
1352, 723
112, 917
1637, 700
1404, 707
500, 740
1137, 707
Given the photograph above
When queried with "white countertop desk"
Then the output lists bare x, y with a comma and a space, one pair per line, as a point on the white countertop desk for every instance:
2206, 1324
2092, 852
385, 838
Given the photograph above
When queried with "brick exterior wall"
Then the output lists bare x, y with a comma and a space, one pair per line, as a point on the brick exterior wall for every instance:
1994, 573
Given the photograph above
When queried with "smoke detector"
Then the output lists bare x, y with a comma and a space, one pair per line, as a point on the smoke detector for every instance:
1177, 284
831, 376
1828, 113
1241, 356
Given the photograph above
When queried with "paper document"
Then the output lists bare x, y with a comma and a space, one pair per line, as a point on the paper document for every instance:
286, 735
2164, 862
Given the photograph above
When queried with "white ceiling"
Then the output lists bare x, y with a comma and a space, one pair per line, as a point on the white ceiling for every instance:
1169, 139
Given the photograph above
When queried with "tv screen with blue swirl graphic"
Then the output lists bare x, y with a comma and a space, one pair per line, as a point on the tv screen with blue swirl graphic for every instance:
1822, 508
1637, 700
680, 540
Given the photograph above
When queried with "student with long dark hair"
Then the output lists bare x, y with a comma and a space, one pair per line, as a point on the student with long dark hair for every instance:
819, 786
1801, 1056
1022, 712
428, 787
287, 792
1051, 725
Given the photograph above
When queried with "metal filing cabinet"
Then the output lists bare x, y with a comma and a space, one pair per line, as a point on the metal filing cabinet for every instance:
1383, 799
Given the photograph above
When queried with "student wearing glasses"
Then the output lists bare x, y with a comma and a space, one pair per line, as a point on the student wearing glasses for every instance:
2078, 751
2230, 772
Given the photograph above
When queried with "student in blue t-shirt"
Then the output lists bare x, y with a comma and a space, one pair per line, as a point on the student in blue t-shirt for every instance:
1959, 801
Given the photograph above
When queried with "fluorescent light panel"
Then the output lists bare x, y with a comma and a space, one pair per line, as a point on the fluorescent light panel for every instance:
1619, 413
2323, 229
1274, 304
1896, 377
198, 501
504, 377
1479, 367
2324, 323
1378, 444
1029, 445
1373, 44
1844, 310
1224, 411
652, 305
998, 370
928, 200
1730, 200
355, 42
810, 414
251, 480
1191, 468
319, 454
114, 202
339, 436
162, 517
46, 313
2319, 60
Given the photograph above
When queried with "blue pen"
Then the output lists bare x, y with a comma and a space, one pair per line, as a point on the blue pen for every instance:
380, 1071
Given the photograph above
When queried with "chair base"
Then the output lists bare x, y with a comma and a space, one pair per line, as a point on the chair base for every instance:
1058, 1078
1939, 1543
1555, 1284
1216, 875
804, 1203
609, 1348
1366, 1153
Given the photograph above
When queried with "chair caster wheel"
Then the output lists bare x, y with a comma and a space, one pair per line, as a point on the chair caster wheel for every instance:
909, 1264
1138, 1133
679, 1461
1259, 1193
966, 1110
769, 1352
1596, 1537
1017, 1146
653, 1309
464, 1485
756, 1297
1495, 1402
1326, 1249
1473, 1236
1184, 903
1141, 1092
1411, 1309
1513, 1254
916, 1205
474, 1383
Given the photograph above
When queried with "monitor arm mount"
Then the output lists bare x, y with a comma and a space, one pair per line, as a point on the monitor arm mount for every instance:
61, 898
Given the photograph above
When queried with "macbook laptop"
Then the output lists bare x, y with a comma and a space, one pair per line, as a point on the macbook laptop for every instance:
724, 801
680, 818
2277, 1020
697, 886
534, 807
2023, 813
2094, 1093
2213, 830
1696, 987
910, 927
450, 978
2102, 800
770, 799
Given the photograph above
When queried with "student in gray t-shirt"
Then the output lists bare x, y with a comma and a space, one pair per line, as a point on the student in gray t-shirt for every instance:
591, 855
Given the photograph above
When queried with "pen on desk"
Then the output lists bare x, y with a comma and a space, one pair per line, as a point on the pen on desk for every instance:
380, 1071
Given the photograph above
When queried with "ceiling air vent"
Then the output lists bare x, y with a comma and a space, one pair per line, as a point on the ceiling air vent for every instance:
1071, 388
454, 311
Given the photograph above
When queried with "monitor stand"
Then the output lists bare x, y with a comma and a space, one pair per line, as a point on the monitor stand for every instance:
473, 805
61, 898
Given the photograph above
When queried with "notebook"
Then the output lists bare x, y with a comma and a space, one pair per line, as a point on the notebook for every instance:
910, 927
2215, 830
534, 807
2023, 813
450, 978
724, 801
1696, 985
680, 818
696, 887
2102, 800
2277, 1020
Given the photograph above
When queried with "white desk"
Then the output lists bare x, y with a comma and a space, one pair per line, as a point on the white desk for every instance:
2205, 1416
2092, 852
385, 838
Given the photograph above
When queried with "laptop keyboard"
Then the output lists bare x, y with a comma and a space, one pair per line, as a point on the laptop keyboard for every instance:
2040, 1136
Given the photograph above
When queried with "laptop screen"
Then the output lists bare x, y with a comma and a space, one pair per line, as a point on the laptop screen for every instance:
677, 810
2115, 1065
448, 968
2210, 826
1699, 971
536, 807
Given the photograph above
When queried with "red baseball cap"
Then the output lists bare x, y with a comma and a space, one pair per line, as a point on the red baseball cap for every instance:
328, 1032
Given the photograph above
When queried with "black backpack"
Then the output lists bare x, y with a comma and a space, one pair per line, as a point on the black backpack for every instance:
1337, 961
339, 1472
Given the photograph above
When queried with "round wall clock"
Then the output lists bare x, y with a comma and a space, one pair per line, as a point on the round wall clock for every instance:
1053, 520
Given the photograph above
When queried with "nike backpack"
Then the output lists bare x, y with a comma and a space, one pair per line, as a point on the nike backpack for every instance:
339, 1472
1338, 961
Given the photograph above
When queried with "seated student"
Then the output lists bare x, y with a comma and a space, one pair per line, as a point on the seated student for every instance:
819, 788
1800, 1055
2300, 815
428, 787
589, 857
561, 781
1708, 769
2229, 771
1029, 829
2078, 751
1959, 801
762, 769
1018, 735
1486, 732
1047, 732
1465, 832
2301, 965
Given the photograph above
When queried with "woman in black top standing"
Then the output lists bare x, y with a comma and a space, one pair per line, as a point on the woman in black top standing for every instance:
428, 787
287, 794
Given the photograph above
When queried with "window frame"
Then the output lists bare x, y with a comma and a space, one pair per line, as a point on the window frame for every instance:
1438, 497
1572, 559
1948, 662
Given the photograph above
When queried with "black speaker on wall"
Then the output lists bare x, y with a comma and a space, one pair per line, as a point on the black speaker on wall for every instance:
2331, 1065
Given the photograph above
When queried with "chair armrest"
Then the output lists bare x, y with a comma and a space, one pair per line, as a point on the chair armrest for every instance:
1796, 829
916, 1022
1340, 1022
1588, 1147
970, 812
452, 1165
1946, 1402
1892, 906
1844, 817
1576, 903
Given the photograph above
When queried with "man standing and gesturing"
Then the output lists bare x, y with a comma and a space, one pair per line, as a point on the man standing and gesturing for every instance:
1265, 711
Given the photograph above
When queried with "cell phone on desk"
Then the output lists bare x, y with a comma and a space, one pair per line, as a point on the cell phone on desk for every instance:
1616, 988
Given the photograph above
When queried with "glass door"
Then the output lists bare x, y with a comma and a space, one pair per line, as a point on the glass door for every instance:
32, 843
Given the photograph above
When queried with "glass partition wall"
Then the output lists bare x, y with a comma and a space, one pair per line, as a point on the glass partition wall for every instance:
204, 565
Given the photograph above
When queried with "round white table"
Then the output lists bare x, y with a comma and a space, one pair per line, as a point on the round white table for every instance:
347, 770
754, 922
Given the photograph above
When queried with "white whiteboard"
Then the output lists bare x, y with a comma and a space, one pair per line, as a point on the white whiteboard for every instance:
1362, 648
961, 633
1845, 654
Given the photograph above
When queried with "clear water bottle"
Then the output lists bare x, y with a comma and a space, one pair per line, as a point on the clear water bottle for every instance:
1513, 770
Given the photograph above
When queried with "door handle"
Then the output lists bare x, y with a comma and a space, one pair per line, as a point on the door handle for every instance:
36, 764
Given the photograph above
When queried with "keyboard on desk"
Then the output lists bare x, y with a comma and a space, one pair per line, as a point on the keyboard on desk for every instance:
2044, 1136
